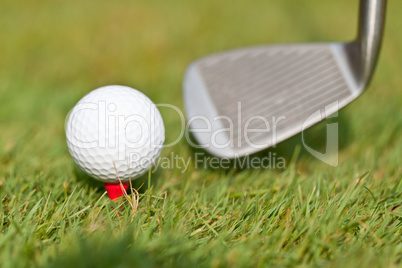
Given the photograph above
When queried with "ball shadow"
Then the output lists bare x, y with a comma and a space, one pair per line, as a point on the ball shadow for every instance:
140, 183
83, 177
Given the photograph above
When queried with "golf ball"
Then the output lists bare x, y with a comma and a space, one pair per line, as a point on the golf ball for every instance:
115, 132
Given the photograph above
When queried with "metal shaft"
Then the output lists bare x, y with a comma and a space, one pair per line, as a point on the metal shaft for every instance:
371, 27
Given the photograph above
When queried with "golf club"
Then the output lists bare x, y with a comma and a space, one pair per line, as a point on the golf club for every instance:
245, 100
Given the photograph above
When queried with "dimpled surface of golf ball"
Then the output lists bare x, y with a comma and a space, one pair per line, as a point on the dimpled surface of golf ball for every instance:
115, 132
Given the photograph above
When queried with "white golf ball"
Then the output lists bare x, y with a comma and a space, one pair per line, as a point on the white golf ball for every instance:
115, 126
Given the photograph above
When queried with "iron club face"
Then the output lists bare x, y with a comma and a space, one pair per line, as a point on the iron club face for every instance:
242, 101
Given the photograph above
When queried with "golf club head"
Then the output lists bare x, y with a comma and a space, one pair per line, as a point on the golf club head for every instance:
242, 101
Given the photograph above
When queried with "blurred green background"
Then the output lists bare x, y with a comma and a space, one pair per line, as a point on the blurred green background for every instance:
54, 52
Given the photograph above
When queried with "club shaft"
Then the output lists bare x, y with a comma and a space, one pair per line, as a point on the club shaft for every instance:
370, 32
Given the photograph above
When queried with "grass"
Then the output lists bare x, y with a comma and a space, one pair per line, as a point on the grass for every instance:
308, 214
